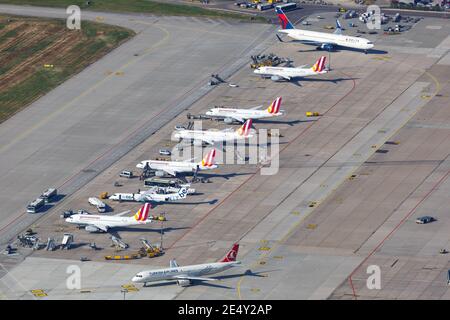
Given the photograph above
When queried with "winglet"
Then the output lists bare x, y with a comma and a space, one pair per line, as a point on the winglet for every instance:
338, 27
232, 254
284, 21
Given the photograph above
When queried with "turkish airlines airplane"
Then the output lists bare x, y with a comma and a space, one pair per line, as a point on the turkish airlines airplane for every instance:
211, 137
185, 275
233, 114
150, 195
288, 73
102, 223
174, 167
323, 40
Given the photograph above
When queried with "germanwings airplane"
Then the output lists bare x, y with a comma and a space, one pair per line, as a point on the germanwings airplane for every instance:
184, 275
211, 137
150, 196
174, 167
323, 40
102, 223
233, 114
288, 73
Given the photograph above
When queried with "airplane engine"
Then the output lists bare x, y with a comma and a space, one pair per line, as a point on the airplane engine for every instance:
159, 173
228, 120
198, 143
92, 229
275, 78
326, 46
183, 283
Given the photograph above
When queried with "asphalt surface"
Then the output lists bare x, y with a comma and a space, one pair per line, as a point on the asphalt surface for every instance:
77, 130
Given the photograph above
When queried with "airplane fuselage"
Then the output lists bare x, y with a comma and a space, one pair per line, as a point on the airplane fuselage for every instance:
110, 221
243, 114
314, 37
198, 270
209, 136
176, 166
287, 72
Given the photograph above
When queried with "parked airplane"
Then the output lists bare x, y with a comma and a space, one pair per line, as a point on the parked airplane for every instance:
150, 195
288, 73
184, 275
102, 223
233, 114
211, 137
323, 40
174, 167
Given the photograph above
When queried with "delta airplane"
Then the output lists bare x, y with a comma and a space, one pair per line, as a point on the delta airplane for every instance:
150, 196
323, 40
102, 223
233, 114
185, 275
288, 73
211, 137
174, 167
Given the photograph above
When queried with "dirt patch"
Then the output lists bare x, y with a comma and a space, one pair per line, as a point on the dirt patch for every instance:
39, 54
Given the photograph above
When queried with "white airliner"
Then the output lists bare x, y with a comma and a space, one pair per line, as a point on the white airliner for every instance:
211, 137
288, 73
233, 114
174, 167
102, 223
150, 196
323, 40
184, 275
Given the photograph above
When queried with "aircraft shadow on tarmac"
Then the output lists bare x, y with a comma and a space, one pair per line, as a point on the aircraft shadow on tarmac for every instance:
211, 202
370, 51
335, 81
115, 231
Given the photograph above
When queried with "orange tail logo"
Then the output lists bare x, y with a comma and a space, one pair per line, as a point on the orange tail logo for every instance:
142, 214
319, 65
208, 160
274, 107
245, 128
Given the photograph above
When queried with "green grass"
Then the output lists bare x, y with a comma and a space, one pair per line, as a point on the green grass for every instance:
145, 6
95, 41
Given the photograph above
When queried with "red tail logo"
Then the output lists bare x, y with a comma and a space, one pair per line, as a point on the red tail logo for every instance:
274, 107
232, 254
245, 128
319, 65
208, 160
142, 214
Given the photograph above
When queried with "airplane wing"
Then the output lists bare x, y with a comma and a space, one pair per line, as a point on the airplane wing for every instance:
173, 264
181, 277
122, 213
170, 171
208, 141
101, 226
255, 108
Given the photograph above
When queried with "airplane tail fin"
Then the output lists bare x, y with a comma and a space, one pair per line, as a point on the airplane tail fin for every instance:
274, 107
284, 21
142, 213
232, 254
245, 128
338, 27
208, 160
319, 66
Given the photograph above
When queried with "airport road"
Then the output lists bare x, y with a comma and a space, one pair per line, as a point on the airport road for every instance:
82, 127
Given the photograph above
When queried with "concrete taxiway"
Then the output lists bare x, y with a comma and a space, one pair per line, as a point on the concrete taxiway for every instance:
83, 126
